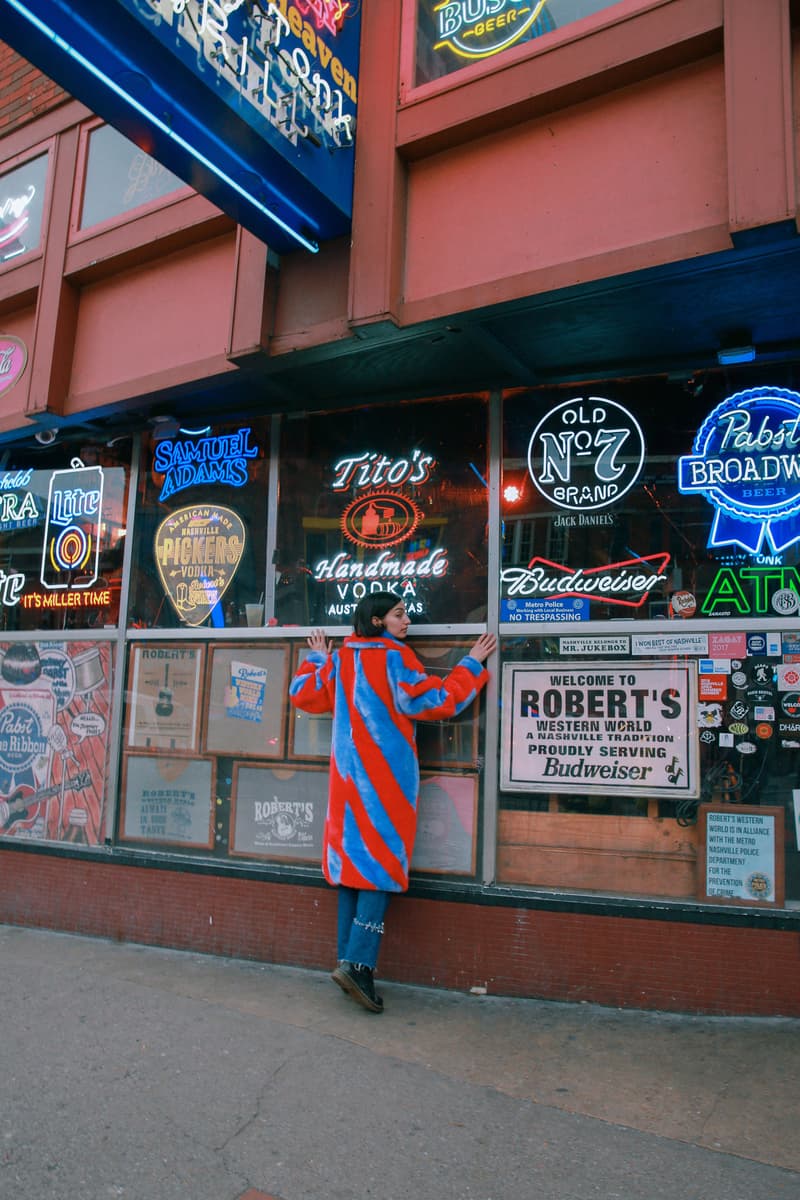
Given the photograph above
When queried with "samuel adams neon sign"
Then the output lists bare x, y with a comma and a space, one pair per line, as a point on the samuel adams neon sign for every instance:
220, 459
745, 462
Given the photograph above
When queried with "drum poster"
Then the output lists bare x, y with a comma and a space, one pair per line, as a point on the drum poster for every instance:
55, 702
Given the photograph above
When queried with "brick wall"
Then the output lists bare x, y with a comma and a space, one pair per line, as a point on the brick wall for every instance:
613, 960
24, 92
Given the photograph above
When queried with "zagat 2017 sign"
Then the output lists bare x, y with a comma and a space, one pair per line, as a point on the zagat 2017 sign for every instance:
745, 462
586, 454
377, 517
475, 29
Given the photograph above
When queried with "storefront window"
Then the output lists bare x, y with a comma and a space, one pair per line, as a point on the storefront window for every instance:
612, 512
200, 548
62, 535
626, 752
21, 207
454, 33
384, 499
120, 177
216, 762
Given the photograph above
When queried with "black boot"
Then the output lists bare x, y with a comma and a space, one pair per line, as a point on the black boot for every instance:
359, 983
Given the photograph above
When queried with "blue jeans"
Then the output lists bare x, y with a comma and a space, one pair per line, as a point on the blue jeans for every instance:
360, 925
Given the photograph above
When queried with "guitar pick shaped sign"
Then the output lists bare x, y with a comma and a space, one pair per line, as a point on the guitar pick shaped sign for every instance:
198, 550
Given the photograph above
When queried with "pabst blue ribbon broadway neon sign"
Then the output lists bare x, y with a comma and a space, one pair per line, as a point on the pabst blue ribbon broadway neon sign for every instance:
746, 463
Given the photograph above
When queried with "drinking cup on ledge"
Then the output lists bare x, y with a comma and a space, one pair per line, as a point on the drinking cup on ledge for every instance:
254, 614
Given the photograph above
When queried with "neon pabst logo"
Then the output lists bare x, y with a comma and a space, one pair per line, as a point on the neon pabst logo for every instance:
586, 454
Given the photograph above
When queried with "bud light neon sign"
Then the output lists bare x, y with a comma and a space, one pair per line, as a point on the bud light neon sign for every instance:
746, 463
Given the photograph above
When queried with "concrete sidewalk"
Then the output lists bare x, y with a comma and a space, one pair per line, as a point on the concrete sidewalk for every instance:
157, 1075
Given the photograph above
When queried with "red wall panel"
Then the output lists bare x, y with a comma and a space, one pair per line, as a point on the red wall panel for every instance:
612, 960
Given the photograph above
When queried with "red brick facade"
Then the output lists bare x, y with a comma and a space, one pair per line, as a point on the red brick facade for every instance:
24, 92
625, 962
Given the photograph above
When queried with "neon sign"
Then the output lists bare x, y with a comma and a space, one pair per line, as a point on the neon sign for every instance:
771, 590
746, 464
216, 459
253, 103
371, 469
15, 209
71, 549
585, 454
627, 583
475, 29
282, 85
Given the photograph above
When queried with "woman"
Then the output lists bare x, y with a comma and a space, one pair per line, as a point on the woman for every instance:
376, 688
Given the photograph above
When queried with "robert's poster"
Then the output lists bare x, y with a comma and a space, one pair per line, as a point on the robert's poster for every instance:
583, 727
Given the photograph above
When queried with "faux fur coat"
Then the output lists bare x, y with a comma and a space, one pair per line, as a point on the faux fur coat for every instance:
376, 689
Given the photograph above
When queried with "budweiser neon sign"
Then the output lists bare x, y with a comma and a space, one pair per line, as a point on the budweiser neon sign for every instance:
627, 583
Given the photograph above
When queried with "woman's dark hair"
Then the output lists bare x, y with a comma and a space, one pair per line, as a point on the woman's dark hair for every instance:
377, 604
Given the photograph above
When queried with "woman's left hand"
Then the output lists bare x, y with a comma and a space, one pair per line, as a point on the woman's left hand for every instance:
319, 642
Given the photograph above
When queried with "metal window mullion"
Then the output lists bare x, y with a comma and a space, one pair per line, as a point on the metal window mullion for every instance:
491, 732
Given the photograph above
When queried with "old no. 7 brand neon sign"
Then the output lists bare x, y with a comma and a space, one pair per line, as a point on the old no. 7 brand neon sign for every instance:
586, 454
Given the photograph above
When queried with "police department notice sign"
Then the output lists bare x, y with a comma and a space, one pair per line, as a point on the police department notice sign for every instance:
588, 728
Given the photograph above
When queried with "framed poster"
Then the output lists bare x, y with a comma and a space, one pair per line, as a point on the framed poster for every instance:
278, 812
163, 704
600, 728
309, 733
168, 800
55, 718
246, 700
740, 859
447, 824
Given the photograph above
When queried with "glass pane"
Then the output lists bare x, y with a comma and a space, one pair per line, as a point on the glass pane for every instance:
62, 535
21, 208
120, 177
384, 499
455, 33
636, 517
200, 549
585, 745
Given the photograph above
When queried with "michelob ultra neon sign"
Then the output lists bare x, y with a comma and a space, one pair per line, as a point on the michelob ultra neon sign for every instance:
746, 463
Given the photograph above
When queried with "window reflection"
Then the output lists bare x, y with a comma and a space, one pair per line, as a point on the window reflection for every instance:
120, 177
456, 33
21, 207
385, 498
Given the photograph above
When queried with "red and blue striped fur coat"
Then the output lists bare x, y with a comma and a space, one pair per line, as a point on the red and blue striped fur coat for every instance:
377, 689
